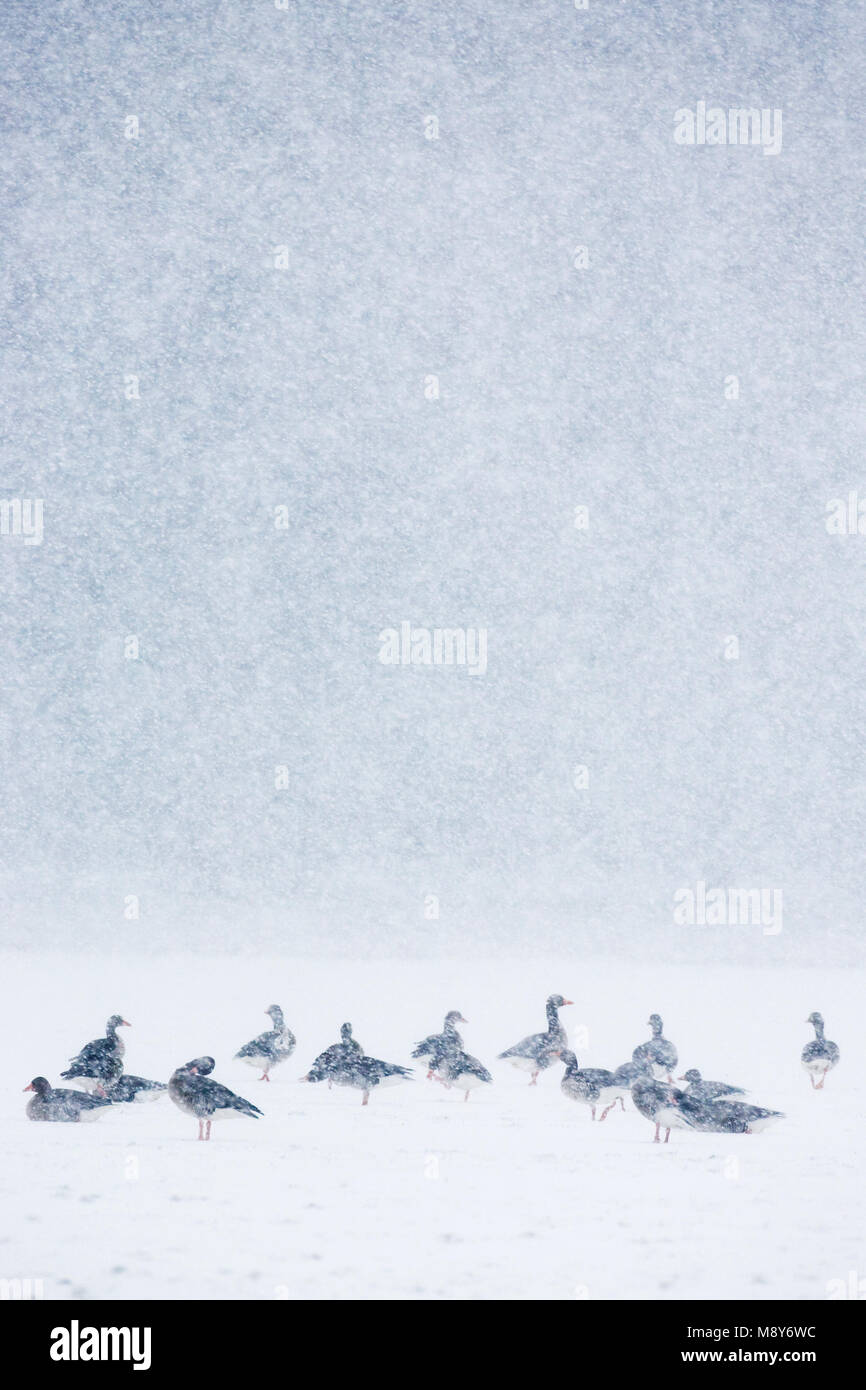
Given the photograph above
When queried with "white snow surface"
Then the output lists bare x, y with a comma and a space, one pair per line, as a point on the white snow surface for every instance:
515, 1194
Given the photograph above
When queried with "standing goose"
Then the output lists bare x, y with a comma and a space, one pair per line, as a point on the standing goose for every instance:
593, 1086
699, 1089
192, 1091
819, 1056
60, 1106
333, 1057
97, 1061
663, 1105
437, 1047
537, 1052
661, 1054
361, 1073
669, 1108
271, 1048
458, 1069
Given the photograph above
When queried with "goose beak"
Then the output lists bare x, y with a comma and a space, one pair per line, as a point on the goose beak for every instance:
303, 1078
193, 1071
568, 1001
125, 1024
31, 1087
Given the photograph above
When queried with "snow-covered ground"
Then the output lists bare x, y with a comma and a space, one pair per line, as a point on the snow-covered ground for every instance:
516, 1194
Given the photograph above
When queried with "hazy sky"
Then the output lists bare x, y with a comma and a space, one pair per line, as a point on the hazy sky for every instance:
239, 300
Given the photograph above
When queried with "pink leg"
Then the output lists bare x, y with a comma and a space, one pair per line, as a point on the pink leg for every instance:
820, 1085
207, 1130
622, 1103
466, 1096
430, 1074
200, 1126
593, 1112
534, 1081
667, 1135
366, 1100
264, 1077
607, 1111
656, 1135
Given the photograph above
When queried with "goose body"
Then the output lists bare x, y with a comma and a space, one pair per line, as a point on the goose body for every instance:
733, 1117
360, 1073
128, 1089
334, 1057
98, 1061
819, 1056
669, 1108
663, 1105
701, 1090
438, 1046
270, 1048
592, 1086
61, 1106
659, 1053
540, 1050
463, 1072
192, 1091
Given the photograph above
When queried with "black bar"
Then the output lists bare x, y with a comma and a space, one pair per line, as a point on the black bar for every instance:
226, 1338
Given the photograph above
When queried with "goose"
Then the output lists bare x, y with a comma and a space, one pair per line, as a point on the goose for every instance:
61, 1106
540, 1050
97, 1060
458, 1069
669, 1108
661, 1054
731, 1116
271, 1048
699, 1089
663, 1105
334, 1056
820, 1055
127, 1089
439, 1045
360, 1072
594, 1086
192, 1091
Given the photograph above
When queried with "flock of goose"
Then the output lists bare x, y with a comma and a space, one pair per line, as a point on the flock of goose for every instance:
712, 1106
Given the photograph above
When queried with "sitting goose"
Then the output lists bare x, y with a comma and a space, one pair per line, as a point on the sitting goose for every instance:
537, 1052
819, 1056
360, 1072
730, 1116
192, 1090
699, 1089
97, 1060
128, 1088
60, 1106
271, 1048
458, 1069
661, 1054
439, 1045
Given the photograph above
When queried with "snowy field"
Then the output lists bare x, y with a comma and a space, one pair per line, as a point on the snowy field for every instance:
515, 1195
